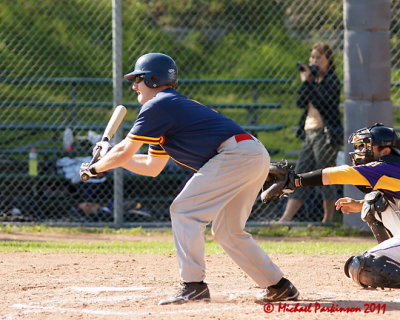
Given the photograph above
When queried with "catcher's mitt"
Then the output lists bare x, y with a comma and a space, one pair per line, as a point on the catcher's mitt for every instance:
280, 181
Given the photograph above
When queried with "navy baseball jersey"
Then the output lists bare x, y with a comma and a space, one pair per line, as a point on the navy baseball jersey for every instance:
187, 131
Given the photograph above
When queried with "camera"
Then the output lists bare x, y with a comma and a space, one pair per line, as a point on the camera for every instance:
314, 71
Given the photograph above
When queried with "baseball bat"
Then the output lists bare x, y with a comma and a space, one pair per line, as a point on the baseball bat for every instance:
112, 126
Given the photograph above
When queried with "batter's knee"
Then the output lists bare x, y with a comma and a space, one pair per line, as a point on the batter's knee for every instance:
220, 237
220, 231
172, 208
175, 209
370, 271
226, 237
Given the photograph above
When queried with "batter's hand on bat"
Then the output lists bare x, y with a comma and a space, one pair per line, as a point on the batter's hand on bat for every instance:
104, 147
348, 205
87, 169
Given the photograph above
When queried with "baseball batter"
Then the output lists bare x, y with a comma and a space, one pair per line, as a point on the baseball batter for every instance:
224, 161
376, 172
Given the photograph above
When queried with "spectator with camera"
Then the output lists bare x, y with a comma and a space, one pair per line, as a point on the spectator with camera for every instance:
320, 126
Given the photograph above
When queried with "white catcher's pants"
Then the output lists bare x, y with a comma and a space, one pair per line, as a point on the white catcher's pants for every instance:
223, 192
391, 220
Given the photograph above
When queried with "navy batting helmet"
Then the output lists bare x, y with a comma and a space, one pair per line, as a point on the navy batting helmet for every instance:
365, 138
158, 70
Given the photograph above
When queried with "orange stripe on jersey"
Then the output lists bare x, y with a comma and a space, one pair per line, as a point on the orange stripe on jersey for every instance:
157, 153
205, 106
162, 140
148, 140
182, 164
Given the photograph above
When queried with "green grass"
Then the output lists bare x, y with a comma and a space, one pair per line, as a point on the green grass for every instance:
106, 247
7, 228
311, 241
313, 232
167, 247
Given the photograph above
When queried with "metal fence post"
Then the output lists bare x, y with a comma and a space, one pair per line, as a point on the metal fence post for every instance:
366, 74
117, 86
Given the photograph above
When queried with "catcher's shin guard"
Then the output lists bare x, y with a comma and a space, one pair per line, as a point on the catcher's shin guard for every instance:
368, 271
375, 203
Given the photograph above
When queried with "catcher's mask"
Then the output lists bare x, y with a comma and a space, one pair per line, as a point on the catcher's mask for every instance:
364, 139
157, 69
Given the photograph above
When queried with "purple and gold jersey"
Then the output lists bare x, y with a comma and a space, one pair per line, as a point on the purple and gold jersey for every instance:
187, 131
378, 175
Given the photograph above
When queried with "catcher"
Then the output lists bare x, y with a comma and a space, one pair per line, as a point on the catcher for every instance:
376, 172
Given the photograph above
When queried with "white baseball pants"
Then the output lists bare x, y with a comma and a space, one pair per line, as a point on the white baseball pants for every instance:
223, 192
391, 220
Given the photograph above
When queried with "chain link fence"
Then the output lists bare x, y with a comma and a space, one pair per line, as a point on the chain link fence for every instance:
237, 56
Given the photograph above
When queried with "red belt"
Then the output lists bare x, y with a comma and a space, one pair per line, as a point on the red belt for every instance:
243, 136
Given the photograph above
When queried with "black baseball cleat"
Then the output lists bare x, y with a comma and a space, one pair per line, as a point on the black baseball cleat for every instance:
283, 290
189, 291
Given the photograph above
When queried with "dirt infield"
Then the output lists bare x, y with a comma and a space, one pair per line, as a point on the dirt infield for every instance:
129, 286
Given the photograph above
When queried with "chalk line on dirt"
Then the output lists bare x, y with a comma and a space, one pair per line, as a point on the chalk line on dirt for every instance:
40, 309
53, 305
97, 290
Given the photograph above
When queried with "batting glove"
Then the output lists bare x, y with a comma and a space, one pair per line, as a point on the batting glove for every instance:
104, 147
87, 169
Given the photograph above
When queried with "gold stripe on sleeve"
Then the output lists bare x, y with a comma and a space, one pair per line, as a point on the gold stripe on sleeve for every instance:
388, 183
157, 153
346, 175
148, 140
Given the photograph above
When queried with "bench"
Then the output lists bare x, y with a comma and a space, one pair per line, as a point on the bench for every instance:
252, 124
252, 117
75, 82
48, 174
